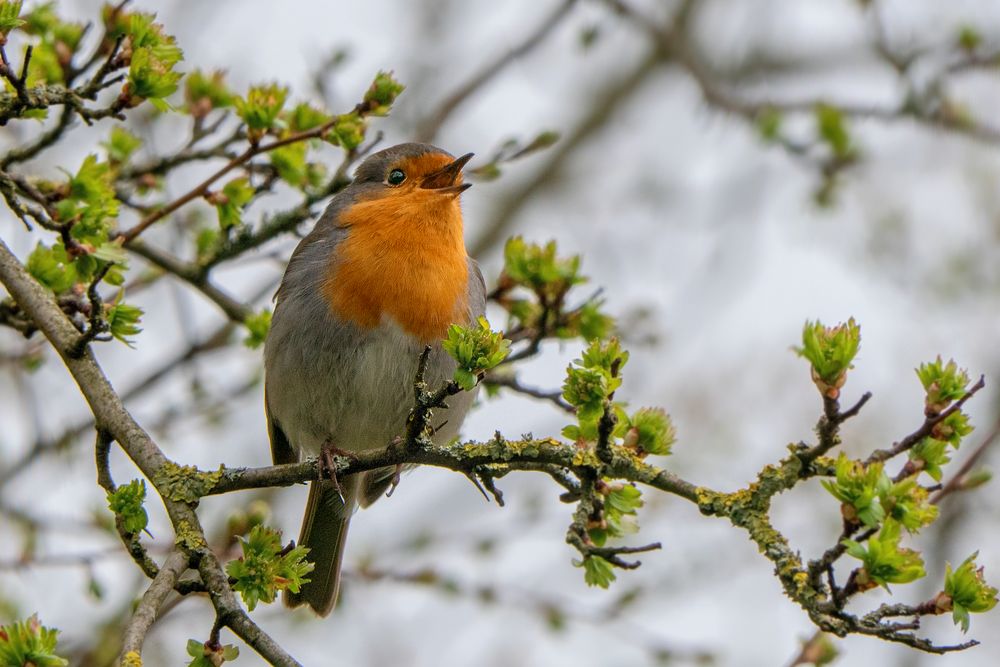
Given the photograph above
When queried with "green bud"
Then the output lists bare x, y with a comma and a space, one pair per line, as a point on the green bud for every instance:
476, 349
768, 121
650, 431
859, 488
205, 91
123, 319
261, 106
127, 502
830, 350
29, 642
10, 17
944, 383
381, 95
832, 129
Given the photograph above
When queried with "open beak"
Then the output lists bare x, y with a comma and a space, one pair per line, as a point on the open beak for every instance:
444, 180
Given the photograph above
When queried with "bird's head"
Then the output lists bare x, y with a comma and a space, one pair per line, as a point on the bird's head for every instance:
415, 181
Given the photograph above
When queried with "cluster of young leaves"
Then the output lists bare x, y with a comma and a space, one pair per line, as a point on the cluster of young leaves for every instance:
966, 591
87, 206
944, 383
619, 514
127, 502
830, 351
265, 112
28, 642
547, 278
10, 18
869, 496
476, 349
883, 561
152, 56
206, 654
266, 567
590, 384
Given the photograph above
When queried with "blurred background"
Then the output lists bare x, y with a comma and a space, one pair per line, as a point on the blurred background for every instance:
693, 177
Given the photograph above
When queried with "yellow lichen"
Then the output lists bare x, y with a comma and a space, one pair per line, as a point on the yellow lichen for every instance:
131, 659
188, 538
184, 484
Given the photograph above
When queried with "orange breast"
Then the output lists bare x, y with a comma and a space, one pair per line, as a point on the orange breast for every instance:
404, 257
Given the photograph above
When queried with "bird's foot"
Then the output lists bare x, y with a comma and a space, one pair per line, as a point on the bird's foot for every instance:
328, 465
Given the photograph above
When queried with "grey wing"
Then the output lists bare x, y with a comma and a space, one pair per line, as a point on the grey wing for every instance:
309, 262
281, 449
299, 286
477, 291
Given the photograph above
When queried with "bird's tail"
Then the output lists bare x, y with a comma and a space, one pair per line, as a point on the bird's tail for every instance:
324, 532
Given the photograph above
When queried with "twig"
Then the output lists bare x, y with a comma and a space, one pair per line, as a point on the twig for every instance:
958, 478
146, 612
925, 429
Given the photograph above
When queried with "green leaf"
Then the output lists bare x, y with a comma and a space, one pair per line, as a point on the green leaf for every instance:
968, 591
127, 502
768, 122
290, 163
907, 502
121, 145
206, 655
52, 268
257, 324
266, 568
832, 129
932, 455
348, 132
229, 203
884, 561
969, 38
123, 319
10, 16
304, 117
597, 571
28, 642
538, 267
90, 203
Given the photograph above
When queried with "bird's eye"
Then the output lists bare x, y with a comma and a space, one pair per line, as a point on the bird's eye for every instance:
395, 177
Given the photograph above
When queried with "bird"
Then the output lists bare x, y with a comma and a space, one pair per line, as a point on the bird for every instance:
383, 274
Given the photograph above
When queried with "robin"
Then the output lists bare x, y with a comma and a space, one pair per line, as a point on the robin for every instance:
383, 274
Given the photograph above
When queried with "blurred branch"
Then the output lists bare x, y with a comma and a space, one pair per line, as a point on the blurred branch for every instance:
429, 128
